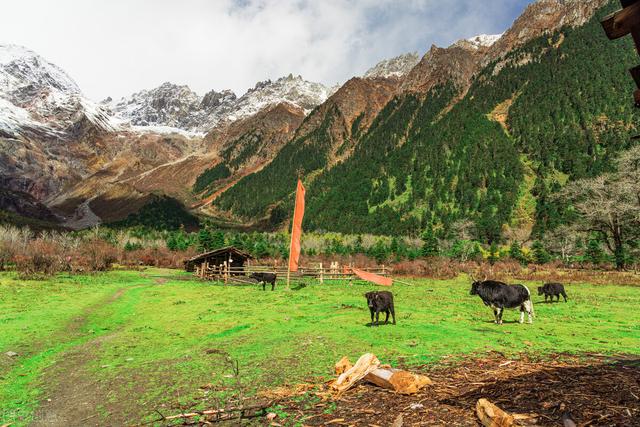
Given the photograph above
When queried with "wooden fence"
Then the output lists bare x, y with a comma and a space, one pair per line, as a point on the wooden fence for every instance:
239, 275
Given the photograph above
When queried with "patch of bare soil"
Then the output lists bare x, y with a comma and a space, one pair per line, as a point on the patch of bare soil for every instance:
596, 391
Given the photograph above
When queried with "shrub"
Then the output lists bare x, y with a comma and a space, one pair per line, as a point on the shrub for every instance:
134, 246
98, 255
40, 258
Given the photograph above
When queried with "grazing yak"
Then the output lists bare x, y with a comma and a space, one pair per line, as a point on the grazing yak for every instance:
552, 290
499, 296
380, 301
265, 278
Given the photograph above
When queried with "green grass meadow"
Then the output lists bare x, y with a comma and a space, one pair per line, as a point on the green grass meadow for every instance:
151, 339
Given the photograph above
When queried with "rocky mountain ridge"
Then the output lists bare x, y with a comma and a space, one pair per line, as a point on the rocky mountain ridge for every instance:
175, 106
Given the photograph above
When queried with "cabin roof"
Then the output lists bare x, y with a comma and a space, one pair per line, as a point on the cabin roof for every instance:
226, 250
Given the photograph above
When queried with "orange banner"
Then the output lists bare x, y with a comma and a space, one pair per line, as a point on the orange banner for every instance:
296, 229
373, 278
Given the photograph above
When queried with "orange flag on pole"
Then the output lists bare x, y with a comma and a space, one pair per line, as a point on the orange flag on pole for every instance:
296, 229
373, 278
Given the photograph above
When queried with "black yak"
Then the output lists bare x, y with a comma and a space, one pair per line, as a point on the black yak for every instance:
552, 290
380, 301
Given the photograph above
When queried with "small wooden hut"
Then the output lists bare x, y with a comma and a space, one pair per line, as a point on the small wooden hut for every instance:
218, 263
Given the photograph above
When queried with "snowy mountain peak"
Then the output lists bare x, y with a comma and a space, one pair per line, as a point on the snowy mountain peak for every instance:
179, 107
25, 75
394, 67
484, 40
39, 97
171, 105
291, 89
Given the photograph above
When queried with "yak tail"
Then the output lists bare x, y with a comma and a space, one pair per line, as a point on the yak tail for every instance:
533, 313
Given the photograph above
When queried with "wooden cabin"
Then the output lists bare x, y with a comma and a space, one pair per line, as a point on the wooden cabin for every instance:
218, 263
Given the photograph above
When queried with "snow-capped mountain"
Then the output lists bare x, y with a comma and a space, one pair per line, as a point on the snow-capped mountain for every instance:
179, 107
172, 106
484, 40
293, 90
394, 67
38, 97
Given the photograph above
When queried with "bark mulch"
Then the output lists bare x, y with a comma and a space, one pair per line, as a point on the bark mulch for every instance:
596, 390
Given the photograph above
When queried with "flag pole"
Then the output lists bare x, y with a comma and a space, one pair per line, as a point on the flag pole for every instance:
295, 206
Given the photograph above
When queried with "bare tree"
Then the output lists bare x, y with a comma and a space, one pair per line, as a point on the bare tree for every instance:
609, 204
562, 240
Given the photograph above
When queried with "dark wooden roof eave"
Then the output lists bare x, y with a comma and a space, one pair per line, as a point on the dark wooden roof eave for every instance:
214, 252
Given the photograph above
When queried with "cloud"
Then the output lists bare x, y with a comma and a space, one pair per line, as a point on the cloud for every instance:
116, 47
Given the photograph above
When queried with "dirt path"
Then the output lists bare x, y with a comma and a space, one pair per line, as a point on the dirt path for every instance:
73, 396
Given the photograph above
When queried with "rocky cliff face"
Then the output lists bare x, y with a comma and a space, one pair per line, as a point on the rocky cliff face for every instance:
541, 17
456, 64
173, 106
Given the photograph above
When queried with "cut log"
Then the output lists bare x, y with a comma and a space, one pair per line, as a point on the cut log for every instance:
620, 23
367, 363
400, 381
492, 416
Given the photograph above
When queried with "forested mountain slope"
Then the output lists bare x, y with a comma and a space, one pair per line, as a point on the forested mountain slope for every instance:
553, 109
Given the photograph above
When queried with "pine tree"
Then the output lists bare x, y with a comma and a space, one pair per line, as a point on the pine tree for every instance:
218, 239
540, 254
515, 253
205, 240
494, 253
430, 245
594, 253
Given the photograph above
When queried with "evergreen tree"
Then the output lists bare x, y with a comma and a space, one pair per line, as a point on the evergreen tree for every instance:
539, 253
594, 253
494, 253
205, 240
430, 246
515, 253
217, 239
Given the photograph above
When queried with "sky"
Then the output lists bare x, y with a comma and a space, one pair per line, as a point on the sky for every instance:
118, 47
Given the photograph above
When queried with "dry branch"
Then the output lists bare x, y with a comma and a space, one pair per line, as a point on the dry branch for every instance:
225, 413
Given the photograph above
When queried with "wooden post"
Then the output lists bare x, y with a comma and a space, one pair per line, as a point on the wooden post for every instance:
383, 270
202, 270
321, 274
225, 272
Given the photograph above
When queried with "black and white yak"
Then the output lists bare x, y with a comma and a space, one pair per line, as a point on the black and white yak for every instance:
499, 295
